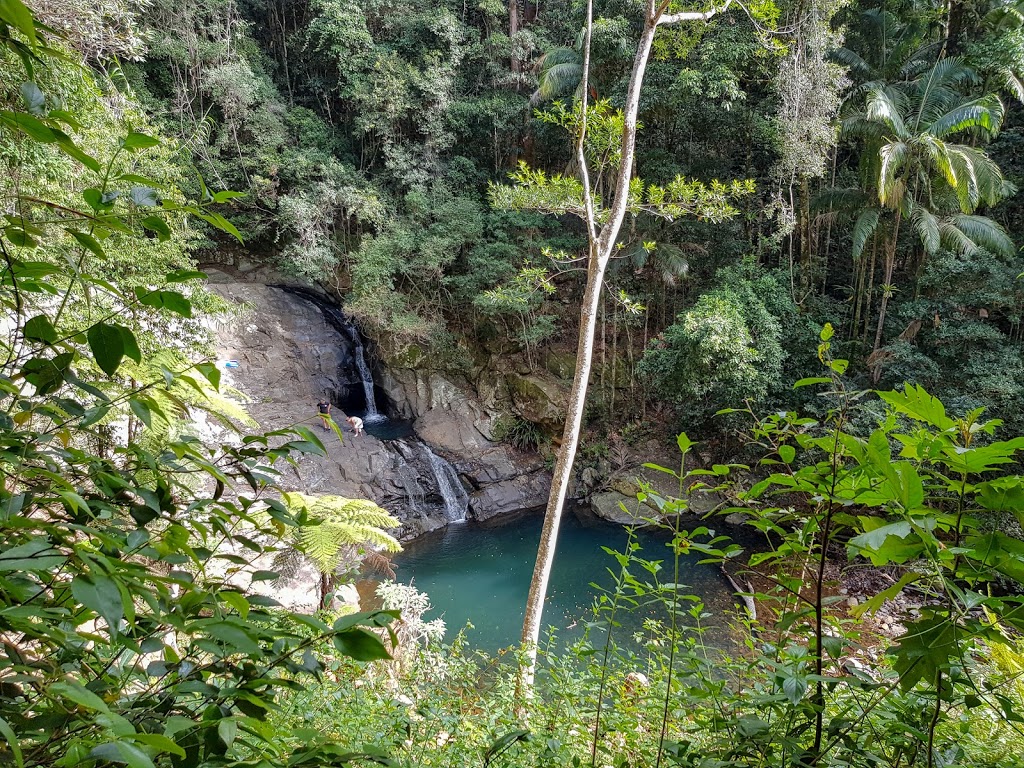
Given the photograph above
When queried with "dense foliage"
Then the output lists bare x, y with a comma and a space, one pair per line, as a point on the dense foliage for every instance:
836, 163
881, 142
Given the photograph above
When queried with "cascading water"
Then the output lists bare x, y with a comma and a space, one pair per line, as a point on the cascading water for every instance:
411, 471
456, 500
364, 373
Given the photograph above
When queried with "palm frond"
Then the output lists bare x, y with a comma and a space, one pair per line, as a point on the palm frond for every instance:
842, 201
884, 106
927, 227
856, 65
984, 114
893, 156
863, 229
561, 71
1006, 18
985, 233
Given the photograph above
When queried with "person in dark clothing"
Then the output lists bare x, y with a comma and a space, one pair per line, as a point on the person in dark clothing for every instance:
324, 407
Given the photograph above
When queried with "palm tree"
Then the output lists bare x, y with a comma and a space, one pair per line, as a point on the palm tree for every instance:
920, 174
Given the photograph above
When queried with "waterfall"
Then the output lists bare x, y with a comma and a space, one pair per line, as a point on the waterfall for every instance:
456, 500
408, 479
364, 373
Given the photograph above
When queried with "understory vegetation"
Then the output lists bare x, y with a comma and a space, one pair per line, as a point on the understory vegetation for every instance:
828, 198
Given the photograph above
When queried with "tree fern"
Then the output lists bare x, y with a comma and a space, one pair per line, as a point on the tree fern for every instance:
335, 523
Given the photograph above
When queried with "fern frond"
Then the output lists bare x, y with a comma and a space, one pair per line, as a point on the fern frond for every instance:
336, 522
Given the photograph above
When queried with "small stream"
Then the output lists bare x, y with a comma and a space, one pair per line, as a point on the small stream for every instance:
481, 574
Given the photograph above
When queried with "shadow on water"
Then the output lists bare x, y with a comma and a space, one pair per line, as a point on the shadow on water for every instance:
389, 429
480, 575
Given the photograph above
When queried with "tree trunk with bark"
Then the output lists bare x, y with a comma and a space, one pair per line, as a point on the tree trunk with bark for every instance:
601, 245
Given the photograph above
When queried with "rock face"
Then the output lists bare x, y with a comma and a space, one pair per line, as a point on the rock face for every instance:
293, 348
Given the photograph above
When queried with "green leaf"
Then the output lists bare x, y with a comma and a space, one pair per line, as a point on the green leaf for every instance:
875, 538
227, 729
47, 374
69, 148
211, 372
144, 196
787, 453
140, 407
811, 380
916, 403
184, 275
20, 237
88, 242
100, 594
794, 687
222, 224
360, 645
39, 328
34, 128
17, 15
171, 300
35, 100
927, 646
36, 555
233, 636
80, 695
135, 140
107, 344
159, 226
12, 742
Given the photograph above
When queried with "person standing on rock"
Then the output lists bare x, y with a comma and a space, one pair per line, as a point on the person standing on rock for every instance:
324, 408
356, 423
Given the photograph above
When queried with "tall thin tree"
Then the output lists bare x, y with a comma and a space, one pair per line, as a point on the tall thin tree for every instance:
603, 226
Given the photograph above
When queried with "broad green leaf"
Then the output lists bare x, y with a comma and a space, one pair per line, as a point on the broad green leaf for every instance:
19, 237
172, 300
184, 275
107, 344
47, 374
360, 645
211, 372
88, 242
874, 538
233, 636
811, 380
916, 403
15, 13
227, 729
684, 442
80, 695
159, 226
794, 687
787, 453
69, 148
100, 594
39, 328
927, 646
35, 101
36, 555
135, 140
144, 196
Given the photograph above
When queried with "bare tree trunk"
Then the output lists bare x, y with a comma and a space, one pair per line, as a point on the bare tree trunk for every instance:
601, 246
890, 261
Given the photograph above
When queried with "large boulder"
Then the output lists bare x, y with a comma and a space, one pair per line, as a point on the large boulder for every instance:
619, 508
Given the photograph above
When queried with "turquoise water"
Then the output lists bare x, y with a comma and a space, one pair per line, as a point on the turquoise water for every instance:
481, 575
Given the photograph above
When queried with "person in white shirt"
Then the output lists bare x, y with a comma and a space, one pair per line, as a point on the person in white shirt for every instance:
356, 423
